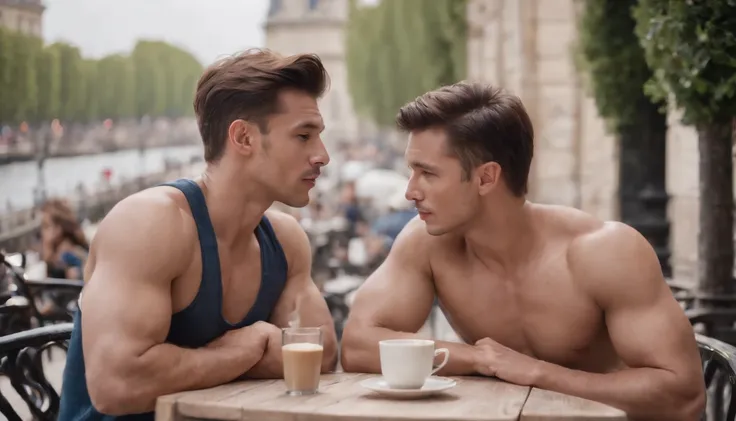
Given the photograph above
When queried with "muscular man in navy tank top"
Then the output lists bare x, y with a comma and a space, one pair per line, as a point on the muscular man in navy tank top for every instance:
189, 283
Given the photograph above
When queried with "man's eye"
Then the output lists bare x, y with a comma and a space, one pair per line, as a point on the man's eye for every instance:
303, 136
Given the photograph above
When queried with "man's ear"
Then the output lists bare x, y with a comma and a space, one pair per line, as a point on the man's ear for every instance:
488, 176
242, 136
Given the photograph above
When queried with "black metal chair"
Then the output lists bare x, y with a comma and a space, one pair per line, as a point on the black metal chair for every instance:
719, 370
683, 293
717, 323
14, 285
21, 361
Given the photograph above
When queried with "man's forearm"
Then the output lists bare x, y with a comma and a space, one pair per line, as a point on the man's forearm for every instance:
166, 369
271, 365
360, 352
643, 393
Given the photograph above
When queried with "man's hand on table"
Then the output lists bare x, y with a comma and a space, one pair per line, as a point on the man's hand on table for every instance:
253, 339
495, 360
270, 365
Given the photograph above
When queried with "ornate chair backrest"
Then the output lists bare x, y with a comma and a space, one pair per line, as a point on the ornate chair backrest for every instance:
21, 360
719, 370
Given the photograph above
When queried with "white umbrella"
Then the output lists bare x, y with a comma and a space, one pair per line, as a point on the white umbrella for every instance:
380, 186
352, 170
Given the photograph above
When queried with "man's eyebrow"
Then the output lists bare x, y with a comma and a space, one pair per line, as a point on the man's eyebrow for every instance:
310, 125
424, 166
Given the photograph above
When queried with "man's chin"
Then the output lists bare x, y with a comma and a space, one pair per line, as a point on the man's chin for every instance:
296, 201
435, 230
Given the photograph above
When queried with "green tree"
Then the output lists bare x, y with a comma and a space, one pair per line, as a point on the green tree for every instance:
72, 96
92, 93
22, 87
612, 59
150, 80
398, 50
48, 66
691, 45
6, 105
115, 88
165, 79
39, 84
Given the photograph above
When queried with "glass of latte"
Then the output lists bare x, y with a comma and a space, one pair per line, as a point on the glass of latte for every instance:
302, 354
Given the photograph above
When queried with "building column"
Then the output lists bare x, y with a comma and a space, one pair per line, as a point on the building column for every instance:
643, 195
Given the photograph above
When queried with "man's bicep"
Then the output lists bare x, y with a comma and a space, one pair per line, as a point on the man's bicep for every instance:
300, 292
399, 294
305, 297
656, 335
122, 316
301, 296
126, 303
646, 325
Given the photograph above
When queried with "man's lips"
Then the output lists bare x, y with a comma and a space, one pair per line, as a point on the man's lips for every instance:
312, 180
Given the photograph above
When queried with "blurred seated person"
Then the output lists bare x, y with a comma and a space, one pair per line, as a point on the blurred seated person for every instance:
401, 211
64, 246
350, 209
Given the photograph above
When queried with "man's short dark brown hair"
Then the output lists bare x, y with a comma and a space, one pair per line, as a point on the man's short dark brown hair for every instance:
482, 123
246, 86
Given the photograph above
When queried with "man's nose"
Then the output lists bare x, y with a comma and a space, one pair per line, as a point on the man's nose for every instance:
321, 157
412, 193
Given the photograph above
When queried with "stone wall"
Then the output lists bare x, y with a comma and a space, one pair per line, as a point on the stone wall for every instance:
27, 20
294, 28
526, 47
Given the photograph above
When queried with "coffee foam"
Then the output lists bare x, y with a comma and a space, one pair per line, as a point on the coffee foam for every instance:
302, 346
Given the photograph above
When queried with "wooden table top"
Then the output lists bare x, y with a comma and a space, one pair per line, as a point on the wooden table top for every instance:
342, 397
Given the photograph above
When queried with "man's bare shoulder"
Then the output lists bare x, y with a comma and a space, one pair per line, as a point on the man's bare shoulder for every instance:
613, 261
609, 241
415, 243
291, 235
157, 219
282, 222
567, 221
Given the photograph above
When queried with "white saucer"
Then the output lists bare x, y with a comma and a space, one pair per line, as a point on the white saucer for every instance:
431, 387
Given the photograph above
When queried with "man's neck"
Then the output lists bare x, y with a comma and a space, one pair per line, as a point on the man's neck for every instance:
234, 208
502, 236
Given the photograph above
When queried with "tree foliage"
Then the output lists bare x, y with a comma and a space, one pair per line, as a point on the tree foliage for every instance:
692, 47
610, 54
40, 83
398, 50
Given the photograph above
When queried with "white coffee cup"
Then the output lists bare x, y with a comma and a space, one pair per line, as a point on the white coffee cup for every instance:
407, 363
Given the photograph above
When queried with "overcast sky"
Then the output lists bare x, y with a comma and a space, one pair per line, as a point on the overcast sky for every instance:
207, 28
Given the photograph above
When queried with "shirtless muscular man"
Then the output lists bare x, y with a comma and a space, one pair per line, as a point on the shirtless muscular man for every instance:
544, 296
188, 284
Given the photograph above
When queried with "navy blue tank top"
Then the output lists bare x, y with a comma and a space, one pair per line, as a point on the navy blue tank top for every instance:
199, 323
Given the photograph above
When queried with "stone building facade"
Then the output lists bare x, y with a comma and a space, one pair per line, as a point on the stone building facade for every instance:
527, 46
318, 26
23, 16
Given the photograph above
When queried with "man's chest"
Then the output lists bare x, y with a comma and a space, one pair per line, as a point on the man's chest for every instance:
236, 274
542, 313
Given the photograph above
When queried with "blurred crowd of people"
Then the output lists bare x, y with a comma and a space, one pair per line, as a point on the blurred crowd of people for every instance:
357, 209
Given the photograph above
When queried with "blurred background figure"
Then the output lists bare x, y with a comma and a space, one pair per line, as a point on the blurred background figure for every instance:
64, 245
